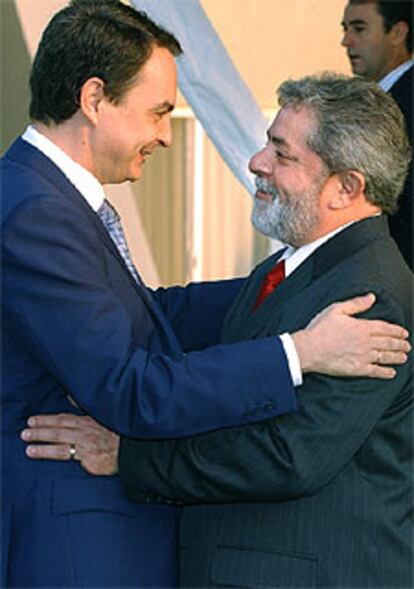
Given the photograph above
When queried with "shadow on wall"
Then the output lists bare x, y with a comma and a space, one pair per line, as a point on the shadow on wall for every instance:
14, 74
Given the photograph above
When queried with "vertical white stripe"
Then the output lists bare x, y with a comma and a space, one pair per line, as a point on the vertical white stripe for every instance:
198, 205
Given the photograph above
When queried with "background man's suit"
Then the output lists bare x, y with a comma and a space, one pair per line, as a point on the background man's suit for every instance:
401, 224
327, 491
74, 320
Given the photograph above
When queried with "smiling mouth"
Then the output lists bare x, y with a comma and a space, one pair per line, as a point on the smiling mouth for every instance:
145, 153
260, 195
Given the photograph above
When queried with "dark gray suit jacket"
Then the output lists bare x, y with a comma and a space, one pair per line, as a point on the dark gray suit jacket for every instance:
320, 498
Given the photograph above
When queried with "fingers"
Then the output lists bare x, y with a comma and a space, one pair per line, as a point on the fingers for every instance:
58, 434
96, 448
390, 344
377, 327
390, 358
60, 420
94, 464
356, 304
389, 330
50, 452
83, 439
383, 372
389, 351
52, 435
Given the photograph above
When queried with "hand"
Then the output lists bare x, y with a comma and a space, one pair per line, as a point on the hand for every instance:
337, 344
96, 447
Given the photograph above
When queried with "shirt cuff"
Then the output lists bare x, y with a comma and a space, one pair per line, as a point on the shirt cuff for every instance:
292, 358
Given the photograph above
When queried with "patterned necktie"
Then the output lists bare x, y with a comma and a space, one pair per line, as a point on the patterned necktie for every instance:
112, 223
272, 279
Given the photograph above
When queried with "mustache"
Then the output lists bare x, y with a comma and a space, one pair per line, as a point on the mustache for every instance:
265, 186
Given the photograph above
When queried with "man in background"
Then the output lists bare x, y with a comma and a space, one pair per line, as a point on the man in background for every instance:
378, 40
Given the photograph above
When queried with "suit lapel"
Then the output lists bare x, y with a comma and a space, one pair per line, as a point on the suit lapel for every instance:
242, 322
38, 163
25, 154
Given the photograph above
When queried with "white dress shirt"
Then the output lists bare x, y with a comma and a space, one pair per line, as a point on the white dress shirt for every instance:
390, 79
295, 257
85, 182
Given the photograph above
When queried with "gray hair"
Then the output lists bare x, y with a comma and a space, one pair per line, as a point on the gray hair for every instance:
358, 127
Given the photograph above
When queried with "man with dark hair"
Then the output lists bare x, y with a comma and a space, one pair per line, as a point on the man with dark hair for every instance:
78, 320
321, 497
378, 37
96, 32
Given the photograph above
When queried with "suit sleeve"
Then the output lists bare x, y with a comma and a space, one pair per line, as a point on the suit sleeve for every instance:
276, 460
59, 301
197, 311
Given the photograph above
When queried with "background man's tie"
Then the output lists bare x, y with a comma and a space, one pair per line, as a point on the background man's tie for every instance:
112, 222
271, 281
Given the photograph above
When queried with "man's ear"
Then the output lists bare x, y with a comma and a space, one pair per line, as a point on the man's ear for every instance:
351, 186
91, 95
399, 33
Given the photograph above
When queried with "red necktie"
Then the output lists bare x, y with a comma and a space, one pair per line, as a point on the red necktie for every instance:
272, 279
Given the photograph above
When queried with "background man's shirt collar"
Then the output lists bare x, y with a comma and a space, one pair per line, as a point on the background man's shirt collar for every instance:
390, 79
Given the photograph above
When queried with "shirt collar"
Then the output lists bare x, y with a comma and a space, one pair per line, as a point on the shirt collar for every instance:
390, 79
295, 257
85, 182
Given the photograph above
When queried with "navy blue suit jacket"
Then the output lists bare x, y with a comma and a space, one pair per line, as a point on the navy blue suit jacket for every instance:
75, 321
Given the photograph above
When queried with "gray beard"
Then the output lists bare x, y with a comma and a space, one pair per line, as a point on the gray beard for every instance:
291, 222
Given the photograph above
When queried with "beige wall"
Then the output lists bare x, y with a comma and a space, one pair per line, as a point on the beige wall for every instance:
269, 40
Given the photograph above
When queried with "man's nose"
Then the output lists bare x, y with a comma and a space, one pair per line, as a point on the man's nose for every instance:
346, 39
165, 134
259, 163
